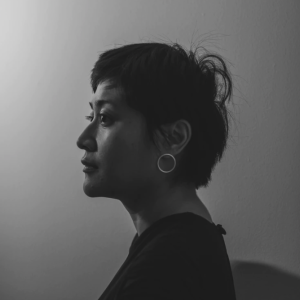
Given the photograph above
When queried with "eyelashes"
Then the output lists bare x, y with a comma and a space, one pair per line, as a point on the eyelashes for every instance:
90, 118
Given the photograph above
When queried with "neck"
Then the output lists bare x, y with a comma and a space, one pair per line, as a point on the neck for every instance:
177, 200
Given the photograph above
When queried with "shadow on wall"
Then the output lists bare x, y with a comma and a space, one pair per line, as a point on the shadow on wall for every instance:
263, 282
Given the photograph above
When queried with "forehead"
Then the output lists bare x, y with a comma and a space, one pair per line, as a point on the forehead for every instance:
107, 94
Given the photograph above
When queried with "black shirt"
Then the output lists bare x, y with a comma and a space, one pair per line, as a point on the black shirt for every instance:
181, 256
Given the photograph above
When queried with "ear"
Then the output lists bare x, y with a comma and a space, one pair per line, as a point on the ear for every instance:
179, 134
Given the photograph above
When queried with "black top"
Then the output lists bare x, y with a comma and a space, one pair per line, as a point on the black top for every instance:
181, 256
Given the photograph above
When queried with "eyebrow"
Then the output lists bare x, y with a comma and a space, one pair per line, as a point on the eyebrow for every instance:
101, 102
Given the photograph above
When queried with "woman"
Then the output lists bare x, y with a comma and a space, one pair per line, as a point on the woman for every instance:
158, 127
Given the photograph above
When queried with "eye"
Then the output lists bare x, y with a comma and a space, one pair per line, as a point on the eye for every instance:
90, 118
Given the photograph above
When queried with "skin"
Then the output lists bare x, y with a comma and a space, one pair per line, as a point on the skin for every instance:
127, 162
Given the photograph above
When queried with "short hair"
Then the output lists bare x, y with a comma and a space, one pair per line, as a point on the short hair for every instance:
166, 83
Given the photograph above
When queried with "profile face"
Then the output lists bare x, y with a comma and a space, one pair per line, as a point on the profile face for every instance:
115, 141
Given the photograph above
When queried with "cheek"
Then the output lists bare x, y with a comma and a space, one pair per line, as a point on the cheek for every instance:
116, 151
125, 151
133, 157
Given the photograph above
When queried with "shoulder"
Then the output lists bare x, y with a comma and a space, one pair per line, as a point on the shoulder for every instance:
179, 249
189, 237
176, 263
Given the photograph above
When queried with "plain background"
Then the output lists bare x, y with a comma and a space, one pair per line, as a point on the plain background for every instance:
57, 243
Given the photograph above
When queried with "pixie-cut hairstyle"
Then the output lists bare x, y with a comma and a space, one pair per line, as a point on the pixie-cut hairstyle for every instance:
166, 83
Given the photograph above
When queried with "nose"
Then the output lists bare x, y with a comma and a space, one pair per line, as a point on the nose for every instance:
86, 142
80, 144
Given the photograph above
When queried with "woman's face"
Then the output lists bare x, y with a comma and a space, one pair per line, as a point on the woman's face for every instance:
115, 141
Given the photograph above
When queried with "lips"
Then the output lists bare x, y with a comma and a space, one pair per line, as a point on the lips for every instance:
88, 164
89, 170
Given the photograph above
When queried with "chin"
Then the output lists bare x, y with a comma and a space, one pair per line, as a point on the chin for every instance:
90, 191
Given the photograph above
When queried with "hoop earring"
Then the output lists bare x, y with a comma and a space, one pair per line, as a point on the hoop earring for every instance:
160, 167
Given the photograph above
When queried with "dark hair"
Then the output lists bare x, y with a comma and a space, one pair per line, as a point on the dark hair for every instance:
166, 83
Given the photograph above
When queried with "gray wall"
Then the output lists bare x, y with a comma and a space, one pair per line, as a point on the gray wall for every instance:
56, 243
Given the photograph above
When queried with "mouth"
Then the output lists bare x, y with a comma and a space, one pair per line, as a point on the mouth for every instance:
88, 169
89, 166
